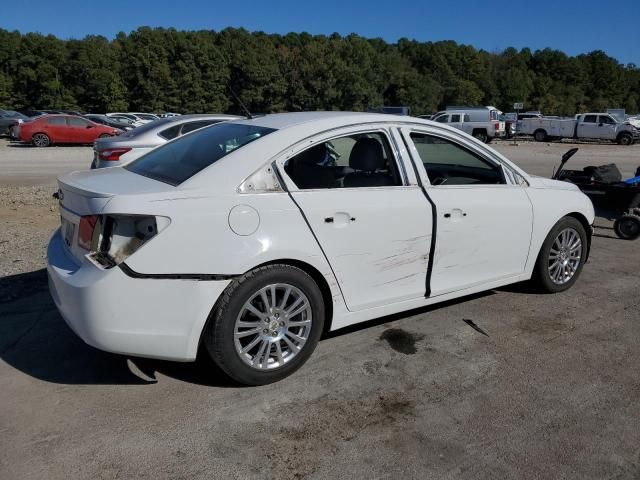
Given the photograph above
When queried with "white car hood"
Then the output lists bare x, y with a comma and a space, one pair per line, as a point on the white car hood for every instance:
542, 182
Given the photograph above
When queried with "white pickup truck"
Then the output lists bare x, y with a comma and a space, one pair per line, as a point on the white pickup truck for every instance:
481, 122
599, 126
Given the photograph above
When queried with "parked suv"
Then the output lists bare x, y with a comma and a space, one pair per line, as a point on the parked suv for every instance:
113, 152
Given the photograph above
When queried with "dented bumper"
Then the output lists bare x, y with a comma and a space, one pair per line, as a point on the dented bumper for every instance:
157, 318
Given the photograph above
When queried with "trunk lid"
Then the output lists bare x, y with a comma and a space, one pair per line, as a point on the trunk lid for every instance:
88, 192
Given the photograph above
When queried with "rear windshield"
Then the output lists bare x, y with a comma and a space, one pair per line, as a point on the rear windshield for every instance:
179, 160
146, 127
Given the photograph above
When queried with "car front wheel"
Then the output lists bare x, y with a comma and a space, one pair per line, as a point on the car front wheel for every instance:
266, 324
562, 256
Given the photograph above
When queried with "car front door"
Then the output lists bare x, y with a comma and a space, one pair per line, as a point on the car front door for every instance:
81, 130
484, 219
367, 212
606, 127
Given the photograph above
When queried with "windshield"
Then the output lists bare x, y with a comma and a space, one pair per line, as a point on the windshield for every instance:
179, 160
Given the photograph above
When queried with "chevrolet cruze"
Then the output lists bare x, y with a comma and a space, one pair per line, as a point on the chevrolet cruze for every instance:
254, 236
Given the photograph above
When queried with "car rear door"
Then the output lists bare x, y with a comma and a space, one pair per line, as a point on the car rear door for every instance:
588, 126
484, 219
373, 226
55, 127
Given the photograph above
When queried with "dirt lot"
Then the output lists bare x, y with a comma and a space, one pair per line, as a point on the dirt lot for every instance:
551, 391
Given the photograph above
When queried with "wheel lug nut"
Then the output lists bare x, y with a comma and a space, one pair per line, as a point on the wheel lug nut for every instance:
277, 315
282, 324
265, 331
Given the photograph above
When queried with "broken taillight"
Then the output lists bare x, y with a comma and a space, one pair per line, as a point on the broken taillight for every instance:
116, 237
86, 230
112, 154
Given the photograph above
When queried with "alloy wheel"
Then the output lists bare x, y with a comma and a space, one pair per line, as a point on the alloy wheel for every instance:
565, 256
272, 326
40, 140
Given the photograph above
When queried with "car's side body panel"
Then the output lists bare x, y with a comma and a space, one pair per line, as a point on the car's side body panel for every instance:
380, 268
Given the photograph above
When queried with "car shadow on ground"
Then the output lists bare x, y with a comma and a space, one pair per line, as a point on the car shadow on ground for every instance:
34, 339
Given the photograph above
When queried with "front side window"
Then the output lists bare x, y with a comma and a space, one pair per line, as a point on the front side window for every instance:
177, 161
590, 119
56, 121
351, 161
442, 119
77, 122
606, 119
448, 163
455, 118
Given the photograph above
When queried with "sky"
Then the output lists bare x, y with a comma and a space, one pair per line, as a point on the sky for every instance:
573, 26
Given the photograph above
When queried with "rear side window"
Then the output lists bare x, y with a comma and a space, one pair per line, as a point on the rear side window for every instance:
590, 119
170, 133
191, 126
178, 161
56, 121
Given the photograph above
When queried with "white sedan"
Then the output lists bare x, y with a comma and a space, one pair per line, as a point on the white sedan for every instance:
253, 237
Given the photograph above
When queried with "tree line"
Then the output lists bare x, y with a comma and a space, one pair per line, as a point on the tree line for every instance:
157, 70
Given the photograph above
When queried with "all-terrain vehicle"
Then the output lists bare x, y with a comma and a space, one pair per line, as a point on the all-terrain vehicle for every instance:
615, 198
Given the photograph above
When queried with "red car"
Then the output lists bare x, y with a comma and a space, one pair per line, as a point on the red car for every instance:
48, 129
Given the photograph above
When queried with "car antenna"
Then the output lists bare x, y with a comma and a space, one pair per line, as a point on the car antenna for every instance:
242, 105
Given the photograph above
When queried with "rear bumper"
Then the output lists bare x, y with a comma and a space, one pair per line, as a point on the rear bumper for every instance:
156, 318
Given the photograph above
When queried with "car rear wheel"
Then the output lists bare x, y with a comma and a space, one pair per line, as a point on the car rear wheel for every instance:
562, 256
627, 227
41, 140
480, 135
266, 324
540, 136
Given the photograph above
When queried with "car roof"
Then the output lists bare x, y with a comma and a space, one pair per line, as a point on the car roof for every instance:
280, 121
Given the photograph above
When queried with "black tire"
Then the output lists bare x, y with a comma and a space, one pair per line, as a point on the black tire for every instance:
625, 139
219, 334
480, 135
489, 140
40, 140
540, 136
541, 273
627, 226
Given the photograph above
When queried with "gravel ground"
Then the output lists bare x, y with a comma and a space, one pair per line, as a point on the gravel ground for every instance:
550, 390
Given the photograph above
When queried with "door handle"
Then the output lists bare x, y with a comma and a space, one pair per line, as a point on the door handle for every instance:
456, 213
340, 219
